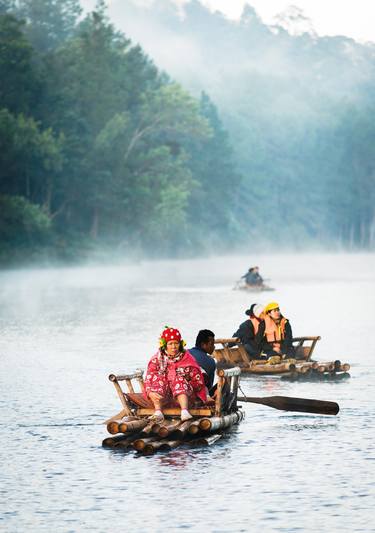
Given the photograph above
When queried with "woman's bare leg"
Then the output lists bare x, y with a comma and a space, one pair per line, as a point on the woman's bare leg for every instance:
184, 403
157, 400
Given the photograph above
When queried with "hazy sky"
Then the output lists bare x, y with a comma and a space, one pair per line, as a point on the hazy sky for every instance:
353, 18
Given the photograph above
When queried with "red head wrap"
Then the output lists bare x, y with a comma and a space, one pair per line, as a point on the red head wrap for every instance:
171, 334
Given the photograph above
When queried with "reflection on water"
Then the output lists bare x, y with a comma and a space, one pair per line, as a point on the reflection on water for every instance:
63, 331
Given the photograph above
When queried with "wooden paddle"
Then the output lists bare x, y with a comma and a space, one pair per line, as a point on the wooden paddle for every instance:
303, 405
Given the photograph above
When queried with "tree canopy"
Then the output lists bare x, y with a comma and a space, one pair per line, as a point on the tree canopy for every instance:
107, 147
101, 148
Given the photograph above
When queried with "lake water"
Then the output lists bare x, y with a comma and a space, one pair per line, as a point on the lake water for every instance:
62, 331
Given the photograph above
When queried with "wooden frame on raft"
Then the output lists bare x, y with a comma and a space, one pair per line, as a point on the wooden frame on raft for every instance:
304, 351
233, 352
135, 404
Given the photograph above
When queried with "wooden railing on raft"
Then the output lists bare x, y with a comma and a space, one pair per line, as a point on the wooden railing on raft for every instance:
233, 352
135, 404
303, 350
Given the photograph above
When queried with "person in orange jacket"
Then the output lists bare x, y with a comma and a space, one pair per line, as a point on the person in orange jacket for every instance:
276, 332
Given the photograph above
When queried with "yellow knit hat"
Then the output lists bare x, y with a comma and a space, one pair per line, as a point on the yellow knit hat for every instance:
270, 306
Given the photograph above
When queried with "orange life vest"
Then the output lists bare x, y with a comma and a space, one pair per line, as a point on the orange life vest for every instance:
275, 332
255, 322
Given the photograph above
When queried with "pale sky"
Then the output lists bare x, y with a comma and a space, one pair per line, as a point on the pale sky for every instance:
353, 18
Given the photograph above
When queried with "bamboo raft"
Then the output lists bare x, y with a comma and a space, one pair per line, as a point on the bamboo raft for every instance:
230, 352
131, 429
243, 286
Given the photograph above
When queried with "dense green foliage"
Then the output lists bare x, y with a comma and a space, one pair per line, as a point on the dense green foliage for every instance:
24, 229
108, 149
99, 149
298, 109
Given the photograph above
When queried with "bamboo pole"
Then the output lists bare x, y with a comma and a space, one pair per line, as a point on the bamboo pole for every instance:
118, 416
120, 393
152, 447
109, 442
218, 422
255, 362
158, 425
167, 429
228, 372
234, 340
121, 377
129, 384
206, 441
126, 443
148, 429
194, 427
113, 426
135, 425
219, 393
181, 430
119, 441
303, 369
328, 365
342, 375
170, 444
139, 444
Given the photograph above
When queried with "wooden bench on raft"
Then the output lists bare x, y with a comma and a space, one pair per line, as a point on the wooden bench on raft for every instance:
226, 354
135, 404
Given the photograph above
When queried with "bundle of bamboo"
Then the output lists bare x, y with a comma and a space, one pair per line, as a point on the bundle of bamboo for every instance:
176, 433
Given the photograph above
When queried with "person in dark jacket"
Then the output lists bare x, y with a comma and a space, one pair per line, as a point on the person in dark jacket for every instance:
249, 331
252, 277
275, 332
204, 347
258, 278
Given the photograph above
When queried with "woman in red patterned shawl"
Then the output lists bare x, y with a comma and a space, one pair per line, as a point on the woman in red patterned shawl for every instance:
173, 373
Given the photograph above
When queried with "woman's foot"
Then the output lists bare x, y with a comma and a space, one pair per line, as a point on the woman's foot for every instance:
157, 416
185, 415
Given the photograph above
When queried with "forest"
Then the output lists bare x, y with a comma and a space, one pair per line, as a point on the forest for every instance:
108, 150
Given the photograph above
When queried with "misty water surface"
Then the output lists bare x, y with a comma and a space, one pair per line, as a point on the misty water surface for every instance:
63, 331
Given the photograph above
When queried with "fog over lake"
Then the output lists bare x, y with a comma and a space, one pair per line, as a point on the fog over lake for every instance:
62, 331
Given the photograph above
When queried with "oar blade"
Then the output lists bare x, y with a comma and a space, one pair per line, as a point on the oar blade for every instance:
301, 405
306, 405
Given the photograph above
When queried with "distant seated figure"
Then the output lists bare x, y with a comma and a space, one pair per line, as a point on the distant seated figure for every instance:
249, 333
276, 332
252, 277
202, 351
257, 276
173, 373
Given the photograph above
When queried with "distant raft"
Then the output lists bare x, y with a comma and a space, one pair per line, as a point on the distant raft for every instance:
131, 429
241, 285
230, 352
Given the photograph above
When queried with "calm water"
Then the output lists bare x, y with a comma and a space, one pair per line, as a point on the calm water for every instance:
63, 331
